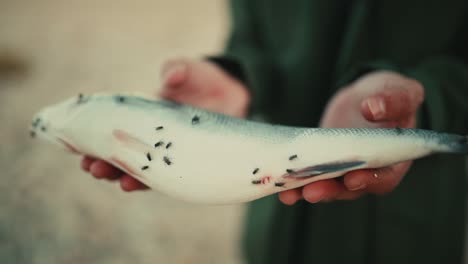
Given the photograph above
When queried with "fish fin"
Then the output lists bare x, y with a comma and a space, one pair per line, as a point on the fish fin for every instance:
458, 144
445, 143
326, 168
129, 153
130, 141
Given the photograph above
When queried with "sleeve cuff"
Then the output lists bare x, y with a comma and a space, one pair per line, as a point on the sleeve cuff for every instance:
230, 66
255, 75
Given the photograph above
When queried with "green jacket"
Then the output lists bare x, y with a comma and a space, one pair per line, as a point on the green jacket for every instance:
295, 55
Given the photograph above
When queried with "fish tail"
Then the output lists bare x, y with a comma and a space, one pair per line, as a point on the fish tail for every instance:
454, 144
462, 145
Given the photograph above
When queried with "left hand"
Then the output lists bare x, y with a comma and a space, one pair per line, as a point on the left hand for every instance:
378, 99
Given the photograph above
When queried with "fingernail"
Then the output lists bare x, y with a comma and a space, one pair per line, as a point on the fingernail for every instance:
357, 186
376, 107
315, 200
313, 196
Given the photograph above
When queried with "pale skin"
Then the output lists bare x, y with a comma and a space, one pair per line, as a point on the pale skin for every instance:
378, 99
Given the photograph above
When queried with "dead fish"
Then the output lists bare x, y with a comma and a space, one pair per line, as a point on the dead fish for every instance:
213, 155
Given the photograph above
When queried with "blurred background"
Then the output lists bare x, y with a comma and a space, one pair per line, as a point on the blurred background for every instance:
51, 211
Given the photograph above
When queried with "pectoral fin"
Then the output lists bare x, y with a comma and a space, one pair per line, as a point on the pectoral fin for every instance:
130, 142
130, 154
325, 168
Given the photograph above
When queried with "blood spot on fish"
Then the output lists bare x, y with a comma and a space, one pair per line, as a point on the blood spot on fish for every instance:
144, 167
159, 128
293, 157
255, 171
195, 120
148, 156
290, 171
266, 179
168, 145
167, 160
263, 180
158, 144
256, 181
279, 184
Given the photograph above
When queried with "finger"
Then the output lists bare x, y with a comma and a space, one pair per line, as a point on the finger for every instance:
290, 197
174, 73
324, 190
128, 184
86, 162
395, 103
101, 169
350, 195
377, 181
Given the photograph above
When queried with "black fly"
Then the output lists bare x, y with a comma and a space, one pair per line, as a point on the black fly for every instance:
36, 122
195, 120
80, 98
120, 99
167, 160
398, 130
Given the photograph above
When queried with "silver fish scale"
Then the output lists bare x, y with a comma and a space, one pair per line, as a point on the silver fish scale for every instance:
420, 134
215, 122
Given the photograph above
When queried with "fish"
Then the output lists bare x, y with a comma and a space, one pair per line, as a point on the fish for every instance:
205, 157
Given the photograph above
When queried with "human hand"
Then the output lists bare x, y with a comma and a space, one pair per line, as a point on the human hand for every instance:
378, 99
198, 83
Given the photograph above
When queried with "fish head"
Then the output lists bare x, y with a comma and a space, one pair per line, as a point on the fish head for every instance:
49, 123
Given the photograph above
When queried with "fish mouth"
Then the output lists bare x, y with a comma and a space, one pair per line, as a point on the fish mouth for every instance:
68, 146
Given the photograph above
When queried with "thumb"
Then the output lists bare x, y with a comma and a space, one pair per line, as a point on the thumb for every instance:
174, 73
393, 103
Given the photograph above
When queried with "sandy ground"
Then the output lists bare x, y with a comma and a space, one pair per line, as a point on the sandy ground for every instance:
52, 212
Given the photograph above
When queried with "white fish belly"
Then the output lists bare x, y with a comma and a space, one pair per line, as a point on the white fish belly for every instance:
202, 157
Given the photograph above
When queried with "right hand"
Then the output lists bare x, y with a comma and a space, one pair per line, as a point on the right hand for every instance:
194, 82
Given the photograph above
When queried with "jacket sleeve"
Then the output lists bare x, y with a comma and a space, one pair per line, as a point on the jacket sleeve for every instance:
445, 81
244, 57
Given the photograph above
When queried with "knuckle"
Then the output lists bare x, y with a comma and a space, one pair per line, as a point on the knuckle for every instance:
416, 90
384, 187
312, 199
124, 186
167, 65
95, 175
